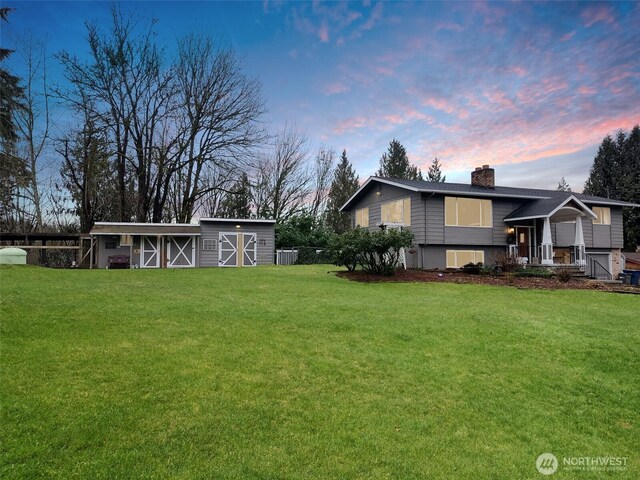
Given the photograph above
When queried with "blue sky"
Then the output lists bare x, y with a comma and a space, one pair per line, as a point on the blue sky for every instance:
530, 88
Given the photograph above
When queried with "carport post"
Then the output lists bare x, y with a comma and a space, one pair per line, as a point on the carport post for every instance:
91, 252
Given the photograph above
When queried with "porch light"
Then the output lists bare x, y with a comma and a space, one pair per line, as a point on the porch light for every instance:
237, 226
511, 230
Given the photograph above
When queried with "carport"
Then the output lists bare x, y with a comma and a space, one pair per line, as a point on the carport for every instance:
144, 245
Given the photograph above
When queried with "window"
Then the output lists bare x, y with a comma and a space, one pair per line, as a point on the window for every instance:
208, 244
398, 211
111, 242
362, 217
467, 212
604, 215
459, 258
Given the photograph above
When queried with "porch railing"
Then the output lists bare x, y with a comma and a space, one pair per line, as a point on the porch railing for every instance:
589, 264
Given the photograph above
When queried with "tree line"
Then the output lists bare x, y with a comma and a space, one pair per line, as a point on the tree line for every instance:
157, 137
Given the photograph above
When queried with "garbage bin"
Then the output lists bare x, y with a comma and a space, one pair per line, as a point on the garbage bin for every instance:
632, 277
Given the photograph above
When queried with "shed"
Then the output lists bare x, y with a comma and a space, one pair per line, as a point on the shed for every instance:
13, 256
214, 242
233, 242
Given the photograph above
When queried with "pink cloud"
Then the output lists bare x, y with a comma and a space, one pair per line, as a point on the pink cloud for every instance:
335, 88
598, 13
518, 71
384, 71
500, 98
449, 26
350, 124
567, 36
584, 90
323, 33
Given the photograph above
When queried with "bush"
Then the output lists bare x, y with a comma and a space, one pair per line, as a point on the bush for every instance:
376, 252
472, 268
533, 273
505, 262
564, 274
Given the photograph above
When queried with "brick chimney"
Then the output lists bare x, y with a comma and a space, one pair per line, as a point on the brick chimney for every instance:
483, 177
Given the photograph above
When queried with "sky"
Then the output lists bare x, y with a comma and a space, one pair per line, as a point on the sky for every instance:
528, 88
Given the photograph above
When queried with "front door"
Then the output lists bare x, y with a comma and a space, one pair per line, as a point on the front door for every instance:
523, 239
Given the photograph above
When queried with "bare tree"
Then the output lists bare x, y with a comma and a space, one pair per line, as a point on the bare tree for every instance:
283, 178
219, 112
169, 121
322, 176
32, 123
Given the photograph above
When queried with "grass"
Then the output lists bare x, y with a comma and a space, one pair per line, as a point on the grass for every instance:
290, 372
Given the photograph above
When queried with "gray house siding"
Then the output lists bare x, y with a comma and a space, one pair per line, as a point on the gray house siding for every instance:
565, 234
617, 235
389, 193
435, 256
438, 233
435, 219
602, 236
210, 230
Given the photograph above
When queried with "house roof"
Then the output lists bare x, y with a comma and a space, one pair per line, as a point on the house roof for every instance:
474, 191
547, 207
129, 228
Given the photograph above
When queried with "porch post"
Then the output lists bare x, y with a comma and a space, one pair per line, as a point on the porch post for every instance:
547, 244
579, 243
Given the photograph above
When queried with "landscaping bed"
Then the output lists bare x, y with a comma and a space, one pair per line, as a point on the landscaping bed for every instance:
413, 275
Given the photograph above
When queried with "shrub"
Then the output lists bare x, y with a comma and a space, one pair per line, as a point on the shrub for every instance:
564, 274
533, 273
505, 262
472, 268
344, 249
376, 252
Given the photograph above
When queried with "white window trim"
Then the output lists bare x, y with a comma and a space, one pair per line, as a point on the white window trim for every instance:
212, 241
458, 221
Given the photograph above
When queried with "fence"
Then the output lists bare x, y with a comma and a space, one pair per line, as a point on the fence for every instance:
302, 255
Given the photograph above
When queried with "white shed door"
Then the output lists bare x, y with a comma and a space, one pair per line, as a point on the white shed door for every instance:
150, 252
181, 252
237, 249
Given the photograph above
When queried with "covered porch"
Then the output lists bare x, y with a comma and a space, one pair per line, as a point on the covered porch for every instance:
550, 233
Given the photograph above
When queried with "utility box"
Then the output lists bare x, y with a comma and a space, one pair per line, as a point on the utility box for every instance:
13, 256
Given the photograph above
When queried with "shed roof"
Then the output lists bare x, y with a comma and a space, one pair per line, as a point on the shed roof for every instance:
129, 228
238, 220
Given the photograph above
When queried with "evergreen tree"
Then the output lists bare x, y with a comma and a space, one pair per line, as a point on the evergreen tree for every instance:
563, 186
394, 163
435, 172
14, 173
237, 203
615, 173
344, 185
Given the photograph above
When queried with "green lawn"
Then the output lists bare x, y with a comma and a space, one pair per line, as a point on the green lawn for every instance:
291, 372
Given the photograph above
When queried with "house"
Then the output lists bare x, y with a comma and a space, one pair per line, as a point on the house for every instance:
213, 242
454, 224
